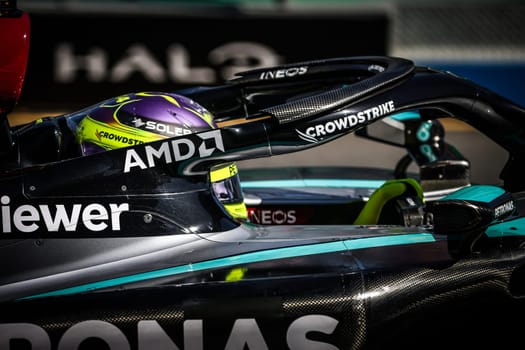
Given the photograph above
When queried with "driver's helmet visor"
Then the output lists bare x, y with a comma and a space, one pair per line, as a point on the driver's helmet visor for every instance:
226, 185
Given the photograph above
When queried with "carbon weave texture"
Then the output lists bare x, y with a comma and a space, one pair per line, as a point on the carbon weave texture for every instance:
457, 301
348, 305
330, 100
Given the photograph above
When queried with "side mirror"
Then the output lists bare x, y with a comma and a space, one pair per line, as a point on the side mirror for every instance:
389, 130
441, 177
464, 215
423, 139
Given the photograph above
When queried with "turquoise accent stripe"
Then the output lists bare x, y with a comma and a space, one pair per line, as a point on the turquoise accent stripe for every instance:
374, 242
507, 229
479, 193
248, 258
313, 183
405, 115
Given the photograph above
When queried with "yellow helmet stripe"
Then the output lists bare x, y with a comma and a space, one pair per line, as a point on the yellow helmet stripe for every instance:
206, 116
122, 98
166, 97
111, 137
115, 114
223, 172
237, 210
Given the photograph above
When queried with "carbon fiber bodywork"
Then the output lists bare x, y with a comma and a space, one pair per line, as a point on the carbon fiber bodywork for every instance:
130, 249
468, 302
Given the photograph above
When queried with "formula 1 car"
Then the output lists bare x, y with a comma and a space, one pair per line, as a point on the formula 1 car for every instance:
132, 248
335, 194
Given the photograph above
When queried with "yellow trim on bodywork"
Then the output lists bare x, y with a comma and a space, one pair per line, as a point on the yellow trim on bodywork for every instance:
236, 274
391, 189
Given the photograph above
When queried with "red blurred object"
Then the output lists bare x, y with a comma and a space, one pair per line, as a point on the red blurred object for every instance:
14, 52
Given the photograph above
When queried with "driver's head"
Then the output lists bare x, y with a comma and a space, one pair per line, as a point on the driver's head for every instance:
143, 117
139, 118
227, 188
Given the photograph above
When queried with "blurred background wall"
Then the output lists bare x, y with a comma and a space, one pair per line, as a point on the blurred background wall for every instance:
84, 51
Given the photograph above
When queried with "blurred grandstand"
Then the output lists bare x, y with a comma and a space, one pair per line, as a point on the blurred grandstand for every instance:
83, 51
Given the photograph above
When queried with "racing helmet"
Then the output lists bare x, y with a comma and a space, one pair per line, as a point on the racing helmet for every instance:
142, 117
138, 118
226, 185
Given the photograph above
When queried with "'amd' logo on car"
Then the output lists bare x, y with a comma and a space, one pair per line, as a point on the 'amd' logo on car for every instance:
173, 151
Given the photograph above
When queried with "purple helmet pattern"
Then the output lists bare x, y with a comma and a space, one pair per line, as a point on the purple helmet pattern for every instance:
138, 118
